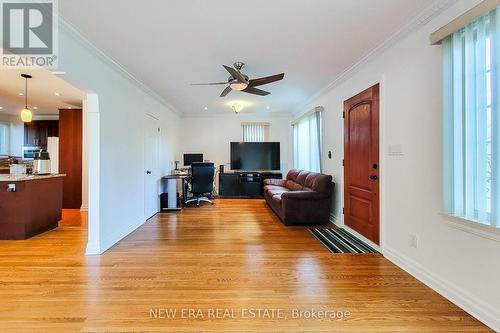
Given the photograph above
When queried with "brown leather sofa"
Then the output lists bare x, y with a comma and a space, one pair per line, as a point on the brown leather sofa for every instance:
302, 198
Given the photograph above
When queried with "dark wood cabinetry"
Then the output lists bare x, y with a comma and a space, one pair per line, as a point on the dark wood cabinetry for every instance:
34, 207
244, 184
70, 156
37, 132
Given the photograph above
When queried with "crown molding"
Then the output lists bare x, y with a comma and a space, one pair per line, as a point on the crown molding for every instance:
418, 21
229, 114
73, 32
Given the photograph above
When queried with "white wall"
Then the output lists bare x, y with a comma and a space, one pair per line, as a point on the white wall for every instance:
462, 266
211, 135
122, 103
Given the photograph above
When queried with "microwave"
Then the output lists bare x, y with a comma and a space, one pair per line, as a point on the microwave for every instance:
29, 152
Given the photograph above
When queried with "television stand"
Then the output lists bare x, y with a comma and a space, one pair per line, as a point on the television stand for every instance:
245, 184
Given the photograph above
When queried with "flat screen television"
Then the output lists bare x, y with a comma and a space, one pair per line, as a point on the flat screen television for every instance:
255, 156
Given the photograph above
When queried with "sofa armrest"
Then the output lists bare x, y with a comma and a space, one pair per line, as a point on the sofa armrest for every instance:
305, 207
304, 195
277, 182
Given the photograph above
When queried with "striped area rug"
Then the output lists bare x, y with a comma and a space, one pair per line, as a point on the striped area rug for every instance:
340, 241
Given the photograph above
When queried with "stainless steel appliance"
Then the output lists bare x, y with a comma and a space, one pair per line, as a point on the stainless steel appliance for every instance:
29, 152
41, 163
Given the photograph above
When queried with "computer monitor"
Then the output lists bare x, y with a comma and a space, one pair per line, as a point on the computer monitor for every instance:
192, 158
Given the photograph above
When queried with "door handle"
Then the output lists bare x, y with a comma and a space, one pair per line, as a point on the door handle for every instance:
373, 177
148, 172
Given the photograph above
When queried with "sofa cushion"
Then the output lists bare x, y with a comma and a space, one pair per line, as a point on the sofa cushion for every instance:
292, 174
274, 192
290, 184
301, 178
322, 183
273, 187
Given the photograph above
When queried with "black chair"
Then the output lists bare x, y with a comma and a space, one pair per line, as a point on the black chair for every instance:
202, 182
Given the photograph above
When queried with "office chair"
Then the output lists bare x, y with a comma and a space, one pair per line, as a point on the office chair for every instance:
202, 182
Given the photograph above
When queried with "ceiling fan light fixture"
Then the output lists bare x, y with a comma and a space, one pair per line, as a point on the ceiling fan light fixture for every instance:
238, 86
237, 107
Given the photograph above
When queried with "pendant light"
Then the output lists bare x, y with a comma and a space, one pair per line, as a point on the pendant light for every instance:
26, 115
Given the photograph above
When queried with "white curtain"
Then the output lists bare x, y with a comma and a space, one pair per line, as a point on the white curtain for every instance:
471, 121
308, 142
255, 132
4, 139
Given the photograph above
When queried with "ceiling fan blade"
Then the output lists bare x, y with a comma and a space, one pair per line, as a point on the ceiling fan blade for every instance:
208, 84
234, 73
255, 91
266, 80
225, 91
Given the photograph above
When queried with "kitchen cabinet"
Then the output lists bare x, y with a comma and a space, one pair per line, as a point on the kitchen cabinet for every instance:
37, 132
29, 205
70, 156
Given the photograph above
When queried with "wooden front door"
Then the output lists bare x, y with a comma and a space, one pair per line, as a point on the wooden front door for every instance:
361, 163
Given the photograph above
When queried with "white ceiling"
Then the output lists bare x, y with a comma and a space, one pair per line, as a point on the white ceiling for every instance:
170, 44
41, 93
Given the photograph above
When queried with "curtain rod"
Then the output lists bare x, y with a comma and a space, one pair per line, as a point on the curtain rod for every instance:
256, 123
466, 18
308, 113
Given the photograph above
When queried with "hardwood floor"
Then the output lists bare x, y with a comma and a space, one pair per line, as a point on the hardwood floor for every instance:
233, 255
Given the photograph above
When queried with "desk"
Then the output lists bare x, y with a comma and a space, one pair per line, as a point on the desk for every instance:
172, 182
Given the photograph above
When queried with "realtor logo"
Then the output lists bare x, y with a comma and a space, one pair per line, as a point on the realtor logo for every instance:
29, 33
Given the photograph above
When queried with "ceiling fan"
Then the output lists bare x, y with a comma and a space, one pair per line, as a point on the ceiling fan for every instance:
241, 82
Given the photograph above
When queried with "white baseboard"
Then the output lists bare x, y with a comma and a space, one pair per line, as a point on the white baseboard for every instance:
84, 208
485, 313
335, 220
469, 303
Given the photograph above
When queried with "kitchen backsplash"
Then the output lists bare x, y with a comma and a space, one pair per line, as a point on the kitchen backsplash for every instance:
4, 162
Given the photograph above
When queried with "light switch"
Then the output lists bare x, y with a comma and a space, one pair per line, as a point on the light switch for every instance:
396, 149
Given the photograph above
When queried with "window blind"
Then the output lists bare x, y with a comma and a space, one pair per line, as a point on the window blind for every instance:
4, 139
255, 132
471, 161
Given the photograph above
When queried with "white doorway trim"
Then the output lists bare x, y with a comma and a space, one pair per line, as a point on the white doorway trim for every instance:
92, 135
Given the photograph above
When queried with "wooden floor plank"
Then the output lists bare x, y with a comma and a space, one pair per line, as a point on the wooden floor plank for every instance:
233, 255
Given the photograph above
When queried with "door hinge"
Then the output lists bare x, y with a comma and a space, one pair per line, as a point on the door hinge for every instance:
343, 163
158, 129
342, 210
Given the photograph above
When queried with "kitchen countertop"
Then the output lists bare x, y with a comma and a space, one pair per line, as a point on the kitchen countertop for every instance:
22, 178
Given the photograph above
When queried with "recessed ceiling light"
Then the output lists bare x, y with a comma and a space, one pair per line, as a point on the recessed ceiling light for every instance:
20, 94
268, 107
57, 94
205, 108
1, 107
35, 108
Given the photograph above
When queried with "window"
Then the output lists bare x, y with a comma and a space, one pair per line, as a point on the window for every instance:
4, 139
255, 132
472, 121
308, 142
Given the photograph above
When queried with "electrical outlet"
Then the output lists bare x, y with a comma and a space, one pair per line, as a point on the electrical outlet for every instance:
414, 241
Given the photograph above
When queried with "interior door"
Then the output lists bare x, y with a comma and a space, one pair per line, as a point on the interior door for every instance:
151, 165
361, 163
